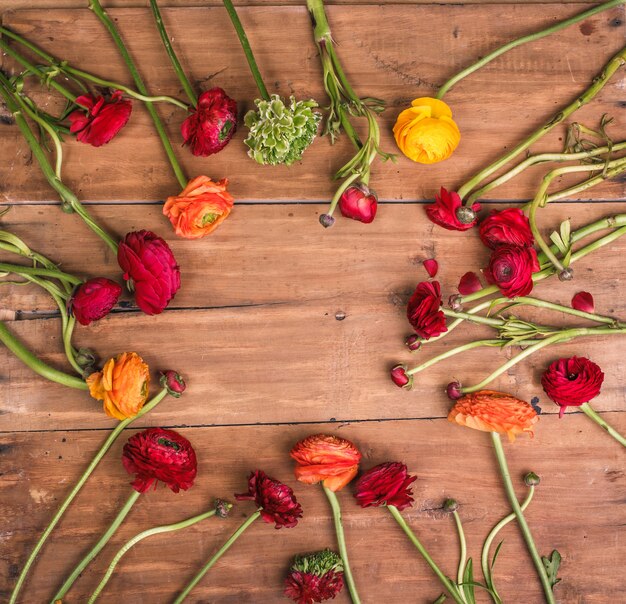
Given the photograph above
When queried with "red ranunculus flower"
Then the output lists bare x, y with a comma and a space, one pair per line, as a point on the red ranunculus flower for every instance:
148, 262
424, 310
506, 227
572, 382
446, 210
173, 382
400, 377
303, 587
315, 577
277, 502
209, 128
158, 454
359, 203
94, 299
385, 484
102, 120
511, 268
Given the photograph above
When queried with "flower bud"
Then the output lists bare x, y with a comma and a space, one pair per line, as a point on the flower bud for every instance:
174, 383
222, 508
413, 342
94, 299
359, 203
450, 505
401, 378
465, 215
453, 390
567, 274
454, 302
326, 220
531, 479
86, 358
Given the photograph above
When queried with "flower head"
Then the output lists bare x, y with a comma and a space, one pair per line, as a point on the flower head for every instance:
385, 484
331, 460
401, 378
426, 132
511, 268
506, 227
359, 203
94, 299
122, 385
102, 120
572, 381
199, 208
173, 382
280, 133
448, 210
277, 502
209, 128
162, 455
424, 310
492, 411
150, 266
314, 577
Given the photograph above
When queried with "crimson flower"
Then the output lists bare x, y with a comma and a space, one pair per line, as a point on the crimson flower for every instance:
277, 502
94, 299
102, 120
506, 227
511, 268
385, 484
449, 212
424, 310
209, 128
572, 381
149, 265
359, 203
162, 455
315, 577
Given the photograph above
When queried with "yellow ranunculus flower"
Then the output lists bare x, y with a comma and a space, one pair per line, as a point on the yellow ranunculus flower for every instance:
122, 385
426, 132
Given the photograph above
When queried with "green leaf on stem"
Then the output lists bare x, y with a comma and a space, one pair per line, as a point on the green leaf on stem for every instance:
468, 581
495, 554
551, 565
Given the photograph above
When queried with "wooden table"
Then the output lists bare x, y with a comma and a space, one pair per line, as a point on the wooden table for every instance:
284, 329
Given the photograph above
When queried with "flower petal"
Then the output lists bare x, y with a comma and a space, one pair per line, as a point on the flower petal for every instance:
469, 284
431, 266
583, 301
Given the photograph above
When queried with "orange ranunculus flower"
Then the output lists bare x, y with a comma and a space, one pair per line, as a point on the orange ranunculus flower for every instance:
201, 206
330, 460
492, 411
122, 385
426, 132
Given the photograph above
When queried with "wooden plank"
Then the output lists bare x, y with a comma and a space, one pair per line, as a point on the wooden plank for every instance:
577, 509
383, 58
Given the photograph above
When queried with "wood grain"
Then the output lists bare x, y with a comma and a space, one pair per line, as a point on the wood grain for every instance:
383, 58
39, 469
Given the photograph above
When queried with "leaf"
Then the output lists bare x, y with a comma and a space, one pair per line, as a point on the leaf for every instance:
565, 232
556, 239
468, 580
441, 599
495, 554
551, 565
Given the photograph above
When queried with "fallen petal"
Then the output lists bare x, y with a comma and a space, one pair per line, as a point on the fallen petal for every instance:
583, 301
469, 284
431, 266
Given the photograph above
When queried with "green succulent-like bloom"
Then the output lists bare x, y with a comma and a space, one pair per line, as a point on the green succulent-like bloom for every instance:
280, 133
318, 563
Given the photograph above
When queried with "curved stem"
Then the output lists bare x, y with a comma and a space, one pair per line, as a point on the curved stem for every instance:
463, 554
216, 557
454, 351
39, 272
592, 414
521, 520
140, 537
79, 485
529, 38
182, 76
96, 7
247, 49
447, 583
341, 543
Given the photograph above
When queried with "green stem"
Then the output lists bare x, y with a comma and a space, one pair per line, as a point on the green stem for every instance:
79, 485
39, 272
97, 548
184, 80
529, 38
454, 351
521, 520
216, 557
36, 364
463, 554
447, 583
588, 410
341, 543
96, 7
598, 83
247, 49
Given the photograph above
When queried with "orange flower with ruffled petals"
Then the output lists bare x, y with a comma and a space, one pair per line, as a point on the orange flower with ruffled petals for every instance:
122, 385
492, 411
330, 460
201, 206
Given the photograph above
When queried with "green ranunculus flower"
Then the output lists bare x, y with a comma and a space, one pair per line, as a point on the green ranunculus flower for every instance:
280, 133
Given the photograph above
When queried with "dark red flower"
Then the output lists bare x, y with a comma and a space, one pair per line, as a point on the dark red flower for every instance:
469, 284
148, 262
315, 577
209, 128
424, 310
102, 120
302, 587
385, 484
174, 383
506, 227
511, 268
449, 212
572, 382
583, 301
277, 502
359, 203
94, 299
158, 454
400, 377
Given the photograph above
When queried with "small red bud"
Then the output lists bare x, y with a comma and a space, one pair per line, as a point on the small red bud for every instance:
174, 383
413, 342
401, 378
454, 390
